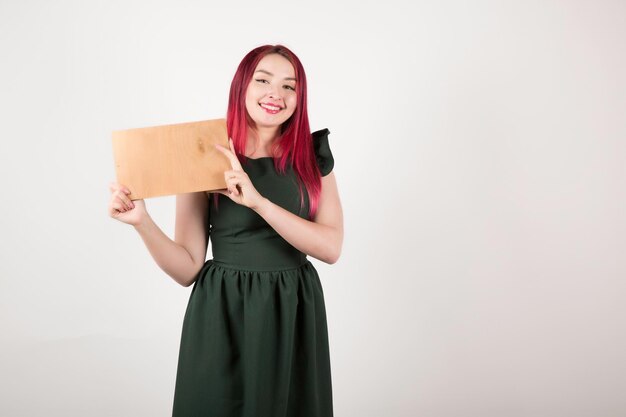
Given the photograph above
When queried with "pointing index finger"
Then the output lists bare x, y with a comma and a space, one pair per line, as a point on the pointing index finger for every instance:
234, 162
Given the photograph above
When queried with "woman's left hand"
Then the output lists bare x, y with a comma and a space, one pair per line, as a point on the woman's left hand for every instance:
238, 184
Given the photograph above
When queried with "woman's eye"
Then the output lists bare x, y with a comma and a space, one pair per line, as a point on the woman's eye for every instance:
261, 80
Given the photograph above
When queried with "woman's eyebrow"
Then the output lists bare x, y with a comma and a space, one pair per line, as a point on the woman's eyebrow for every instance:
271, 75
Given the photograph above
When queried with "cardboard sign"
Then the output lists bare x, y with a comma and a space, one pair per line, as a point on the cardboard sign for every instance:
171, 159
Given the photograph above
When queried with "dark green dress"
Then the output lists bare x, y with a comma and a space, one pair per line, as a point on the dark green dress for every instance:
254, 338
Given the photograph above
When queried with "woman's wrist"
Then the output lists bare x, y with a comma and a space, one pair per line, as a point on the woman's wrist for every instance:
262, 206
143, 224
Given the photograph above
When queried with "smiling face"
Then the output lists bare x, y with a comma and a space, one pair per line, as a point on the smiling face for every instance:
271, 96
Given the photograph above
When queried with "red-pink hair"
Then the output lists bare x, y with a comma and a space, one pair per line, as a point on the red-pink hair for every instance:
295, 141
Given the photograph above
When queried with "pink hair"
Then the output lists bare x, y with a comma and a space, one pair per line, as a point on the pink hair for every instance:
295, 140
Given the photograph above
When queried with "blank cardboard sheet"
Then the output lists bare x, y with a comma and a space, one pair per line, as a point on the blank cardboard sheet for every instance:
171, 159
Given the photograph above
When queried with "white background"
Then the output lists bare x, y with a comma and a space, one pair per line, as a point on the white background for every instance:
479, 151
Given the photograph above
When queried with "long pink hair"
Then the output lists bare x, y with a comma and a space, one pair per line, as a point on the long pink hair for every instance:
295, 141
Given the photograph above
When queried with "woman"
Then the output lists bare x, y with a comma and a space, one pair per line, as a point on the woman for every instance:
254, 339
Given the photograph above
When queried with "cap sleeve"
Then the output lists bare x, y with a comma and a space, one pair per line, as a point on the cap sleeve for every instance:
324, 157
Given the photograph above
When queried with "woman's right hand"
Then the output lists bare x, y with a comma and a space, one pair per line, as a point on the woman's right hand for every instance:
123, 209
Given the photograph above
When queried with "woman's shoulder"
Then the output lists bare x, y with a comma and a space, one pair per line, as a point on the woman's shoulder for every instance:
323, 155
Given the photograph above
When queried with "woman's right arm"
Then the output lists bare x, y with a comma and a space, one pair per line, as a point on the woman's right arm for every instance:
183, 257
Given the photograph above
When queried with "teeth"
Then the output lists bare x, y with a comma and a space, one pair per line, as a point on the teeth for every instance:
270, 107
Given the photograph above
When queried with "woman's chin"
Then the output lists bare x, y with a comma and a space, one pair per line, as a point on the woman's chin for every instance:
268, 124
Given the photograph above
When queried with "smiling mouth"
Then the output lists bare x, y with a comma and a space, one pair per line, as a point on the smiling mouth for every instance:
270, 109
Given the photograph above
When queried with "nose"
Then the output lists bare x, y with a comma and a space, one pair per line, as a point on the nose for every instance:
275, 98
273, 92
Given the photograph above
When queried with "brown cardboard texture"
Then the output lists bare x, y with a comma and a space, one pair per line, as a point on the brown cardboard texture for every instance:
171, 159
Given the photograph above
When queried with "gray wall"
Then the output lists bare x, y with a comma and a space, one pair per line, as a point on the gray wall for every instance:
479, 152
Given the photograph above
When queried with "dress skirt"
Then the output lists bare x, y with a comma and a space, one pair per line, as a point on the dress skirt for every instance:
254, 344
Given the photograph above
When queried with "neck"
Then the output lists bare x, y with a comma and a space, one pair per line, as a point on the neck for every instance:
261, 138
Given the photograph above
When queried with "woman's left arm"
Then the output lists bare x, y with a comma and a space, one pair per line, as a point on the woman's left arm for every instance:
321, 238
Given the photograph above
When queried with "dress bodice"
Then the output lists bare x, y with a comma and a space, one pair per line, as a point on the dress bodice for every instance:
241, 237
